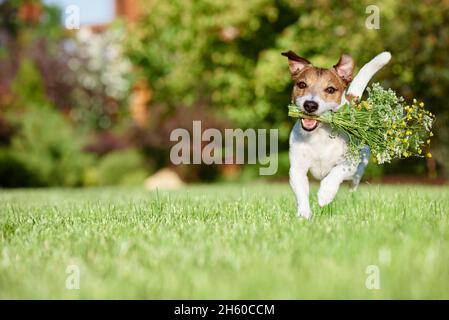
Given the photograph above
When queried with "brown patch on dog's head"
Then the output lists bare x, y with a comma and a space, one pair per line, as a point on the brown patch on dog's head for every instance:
295, 62
311, 81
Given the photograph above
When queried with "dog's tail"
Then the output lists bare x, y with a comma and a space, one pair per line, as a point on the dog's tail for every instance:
365, 152
358, 85
365, 74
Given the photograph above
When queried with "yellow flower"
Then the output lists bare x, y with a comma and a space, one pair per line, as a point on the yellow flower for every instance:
406, 154
414, 101
429, 155
419, 151
409, 117
428, 141
393, 126
390, 132
409, 132
431, 134
421, 104
403, 123
405, 140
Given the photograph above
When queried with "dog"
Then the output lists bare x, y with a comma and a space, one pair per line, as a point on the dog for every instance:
314, 147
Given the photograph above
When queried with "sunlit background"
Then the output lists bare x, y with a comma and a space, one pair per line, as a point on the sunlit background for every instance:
96, 106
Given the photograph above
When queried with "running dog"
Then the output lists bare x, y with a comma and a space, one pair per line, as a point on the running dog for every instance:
313, 147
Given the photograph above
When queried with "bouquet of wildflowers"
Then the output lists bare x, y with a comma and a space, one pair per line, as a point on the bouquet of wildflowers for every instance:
390, 127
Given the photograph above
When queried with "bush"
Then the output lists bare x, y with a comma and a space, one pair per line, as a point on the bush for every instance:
15, 173
119, 168
46, 151
28, 85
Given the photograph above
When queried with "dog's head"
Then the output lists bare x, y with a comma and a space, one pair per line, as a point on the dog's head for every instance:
317, 90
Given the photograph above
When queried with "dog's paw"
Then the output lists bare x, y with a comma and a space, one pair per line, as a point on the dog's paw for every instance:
326, 193
304, 214
324, 199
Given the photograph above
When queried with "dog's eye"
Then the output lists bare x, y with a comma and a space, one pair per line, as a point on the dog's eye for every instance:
301, 85
330, 90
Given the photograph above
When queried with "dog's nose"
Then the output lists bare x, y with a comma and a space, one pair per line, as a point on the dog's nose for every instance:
310, 106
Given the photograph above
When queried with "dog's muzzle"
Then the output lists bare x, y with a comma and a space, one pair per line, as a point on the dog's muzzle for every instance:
310, 107
309, 124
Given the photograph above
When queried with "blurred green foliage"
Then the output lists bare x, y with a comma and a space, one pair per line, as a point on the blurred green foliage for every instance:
227, 54
28, 85
119, 168
44, 143
44, 152
47, 149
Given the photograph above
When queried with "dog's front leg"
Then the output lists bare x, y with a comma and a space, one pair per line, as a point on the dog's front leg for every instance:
330, 184
300, 186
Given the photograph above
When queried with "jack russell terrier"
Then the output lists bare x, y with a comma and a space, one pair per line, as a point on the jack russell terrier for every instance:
313, 146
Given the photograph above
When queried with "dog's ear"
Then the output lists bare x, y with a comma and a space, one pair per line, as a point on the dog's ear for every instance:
295, 62
345, 67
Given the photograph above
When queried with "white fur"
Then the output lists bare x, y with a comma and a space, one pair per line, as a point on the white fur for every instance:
358, 85
322, 154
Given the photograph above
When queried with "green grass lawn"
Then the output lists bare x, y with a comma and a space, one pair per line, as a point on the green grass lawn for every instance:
224, 241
